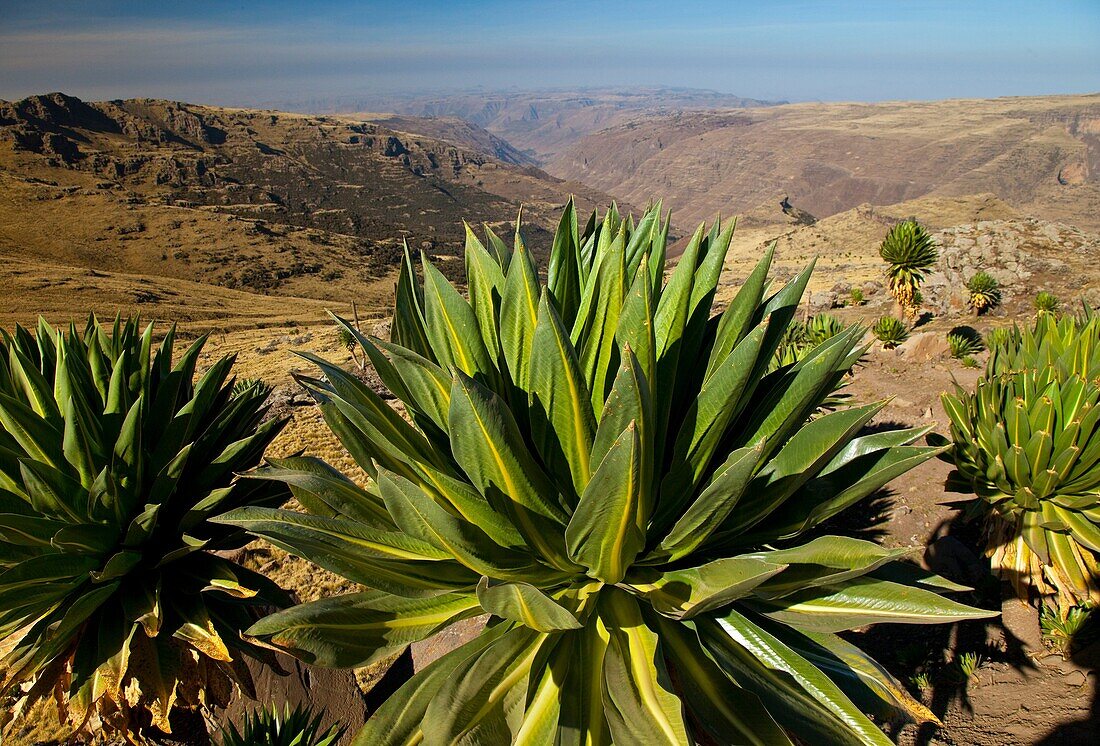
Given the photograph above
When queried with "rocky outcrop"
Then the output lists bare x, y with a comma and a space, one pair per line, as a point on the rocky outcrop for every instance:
56, 112
1024, 256
796, 214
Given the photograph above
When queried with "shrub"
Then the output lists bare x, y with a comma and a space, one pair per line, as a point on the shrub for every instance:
269, 726
800, 338
964, 341
1067, 630
965, 666
112, 462
985, 292
855, 297
822, 327
890, 332
910, 252
1027, 444
247, 386
607, 471
1046, 303
922, 682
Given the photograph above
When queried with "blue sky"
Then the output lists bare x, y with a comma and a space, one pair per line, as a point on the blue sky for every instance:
260, 52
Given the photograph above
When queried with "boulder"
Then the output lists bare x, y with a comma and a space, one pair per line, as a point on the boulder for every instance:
435, 647
871, 287
822, 301
923, 346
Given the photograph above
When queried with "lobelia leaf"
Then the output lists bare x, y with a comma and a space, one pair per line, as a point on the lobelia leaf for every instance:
562, 421
688, 592
812, 705
563, 279
640, 703
729, 714
452, 327
524, 604
477, 701
489, 447
712, 507
519, 316
399, 721
357, 629
417, 515
605, 532
485, 281
860, 601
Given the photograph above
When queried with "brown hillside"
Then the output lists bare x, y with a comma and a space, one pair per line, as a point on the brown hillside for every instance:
544, 123
1041, 155
264, 201
452, 130
974, 233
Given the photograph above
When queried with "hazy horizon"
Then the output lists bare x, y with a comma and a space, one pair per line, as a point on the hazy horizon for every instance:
282, 53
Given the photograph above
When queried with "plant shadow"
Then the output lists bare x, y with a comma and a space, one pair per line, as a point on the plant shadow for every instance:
865, 520
930, 654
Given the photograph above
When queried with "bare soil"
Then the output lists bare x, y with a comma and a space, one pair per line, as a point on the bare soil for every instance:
1022, 693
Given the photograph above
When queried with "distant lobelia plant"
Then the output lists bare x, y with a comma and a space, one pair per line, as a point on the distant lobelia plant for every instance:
794, 344
1003, 336
964, 341
1067, 630
801, 337
247, 386
910, 252
112, 463
822, 327
984, 291
348, 342
1046, 303
890, 331
1027, 444
610, 472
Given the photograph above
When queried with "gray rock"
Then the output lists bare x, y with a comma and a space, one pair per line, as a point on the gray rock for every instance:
822, 301
333, 692
438, 645
871, 287
923, 346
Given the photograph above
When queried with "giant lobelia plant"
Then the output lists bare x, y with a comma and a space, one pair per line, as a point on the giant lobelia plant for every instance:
1027, 445
112, 462
909, 253
619, 479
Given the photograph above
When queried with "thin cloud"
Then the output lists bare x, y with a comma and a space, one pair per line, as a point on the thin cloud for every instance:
236, 53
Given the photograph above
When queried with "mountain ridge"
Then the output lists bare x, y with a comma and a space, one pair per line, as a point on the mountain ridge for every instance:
260, 202
1037, 153
540, 123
